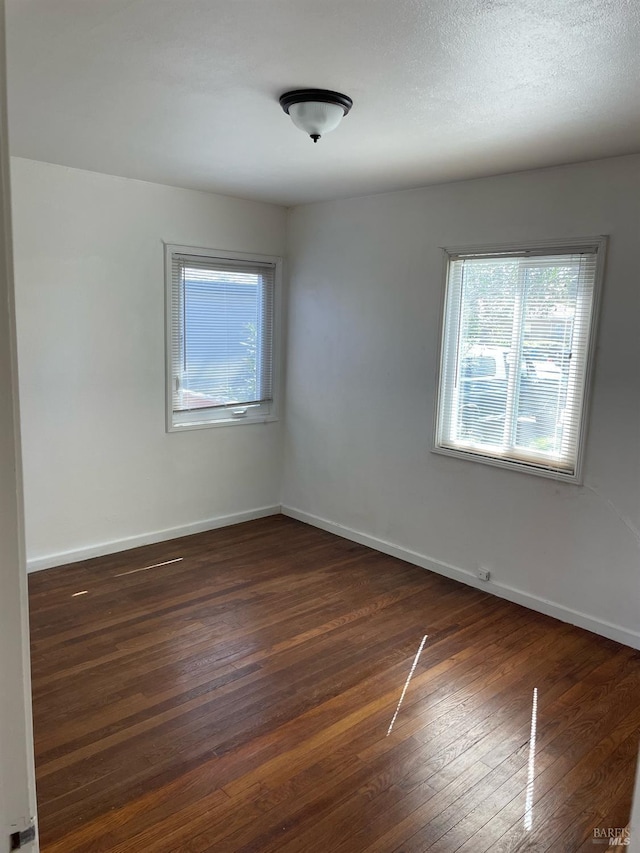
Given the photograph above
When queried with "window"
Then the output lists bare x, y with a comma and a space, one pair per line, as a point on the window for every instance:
220, 337
515, 357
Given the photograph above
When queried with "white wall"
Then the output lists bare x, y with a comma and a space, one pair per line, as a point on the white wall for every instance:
100, 471
17, 775
366, 280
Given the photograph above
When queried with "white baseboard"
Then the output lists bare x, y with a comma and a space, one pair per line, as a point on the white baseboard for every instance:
533, 602
50, 560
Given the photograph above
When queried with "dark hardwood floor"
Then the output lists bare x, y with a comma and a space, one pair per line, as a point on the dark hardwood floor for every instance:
266, 692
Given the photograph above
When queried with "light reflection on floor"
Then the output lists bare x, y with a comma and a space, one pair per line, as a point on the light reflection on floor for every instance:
406, 684
146, 568
528, 807
134, 572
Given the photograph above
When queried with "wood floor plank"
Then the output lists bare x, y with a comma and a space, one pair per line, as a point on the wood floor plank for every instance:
272, 687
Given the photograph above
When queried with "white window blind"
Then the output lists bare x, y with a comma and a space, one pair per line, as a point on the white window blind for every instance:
221, 337
515, 356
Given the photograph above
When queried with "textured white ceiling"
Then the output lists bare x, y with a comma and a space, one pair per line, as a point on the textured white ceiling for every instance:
185, 92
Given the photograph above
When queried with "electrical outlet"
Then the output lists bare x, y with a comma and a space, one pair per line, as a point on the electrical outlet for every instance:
484, 574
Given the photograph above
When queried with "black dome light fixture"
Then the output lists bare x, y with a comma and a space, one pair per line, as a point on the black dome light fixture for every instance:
315, 111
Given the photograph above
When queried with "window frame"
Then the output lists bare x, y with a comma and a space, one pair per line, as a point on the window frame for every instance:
540, 247
219, 420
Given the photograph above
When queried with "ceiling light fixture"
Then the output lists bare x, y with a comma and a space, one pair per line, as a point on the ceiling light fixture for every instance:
315, 111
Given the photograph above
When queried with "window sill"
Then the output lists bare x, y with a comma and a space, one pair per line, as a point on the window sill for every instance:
522, 467
222, 422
